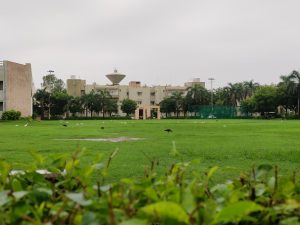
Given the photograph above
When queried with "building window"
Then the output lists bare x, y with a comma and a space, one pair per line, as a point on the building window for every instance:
82, 92
152, 93
152, 102
139, 93
1, 106
1, 85
139, 102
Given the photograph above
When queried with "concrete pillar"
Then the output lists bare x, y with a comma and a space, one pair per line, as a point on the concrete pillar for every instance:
144, 113
148, 112
158, 114
136, 114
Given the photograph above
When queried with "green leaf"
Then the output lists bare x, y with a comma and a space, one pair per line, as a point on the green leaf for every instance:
37, 157
89, 218
166, 211
134, 222
79, 198
16, 185
289, 221
20, 194
188, 202
98, 166
4, 198
235, 212
263, 169
151, 194
212, 171
271, 183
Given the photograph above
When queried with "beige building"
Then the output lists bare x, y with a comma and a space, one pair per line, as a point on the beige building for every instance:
145, 96
15, 88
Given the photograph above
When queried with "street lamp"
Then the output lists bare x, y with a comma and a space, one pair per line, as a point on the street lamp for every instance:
50, 89
212, 94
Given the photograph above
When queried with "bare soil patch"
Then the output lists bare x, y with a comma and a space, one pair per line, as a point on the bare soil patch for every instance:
115, 139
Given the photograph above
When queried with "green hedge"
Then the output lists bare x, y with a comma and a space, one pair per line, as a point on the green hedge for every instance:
81, 195
11, 115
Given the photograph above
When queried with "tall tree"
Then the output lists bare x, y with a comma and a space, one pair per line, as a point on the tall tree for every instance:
105, 99
223, 96
41, 101
167, 106
286, 96
87, 101
236, 91
295, 87
249, 88
248, 106
52, 84
59, 102
198, 95
111, 107
177, 97
266, 99
75, 105
128, 106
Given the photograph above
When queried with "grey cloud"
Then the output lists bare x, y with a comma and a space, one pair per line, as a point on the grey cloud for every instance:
157, 41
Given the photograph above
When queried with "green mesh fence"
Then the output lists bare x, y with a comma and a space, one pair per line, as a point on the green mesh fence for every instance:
209, 112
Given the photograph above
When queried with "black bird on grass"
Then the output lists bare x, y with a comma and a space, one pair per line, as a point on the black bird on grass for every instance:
65, 125
102, 128
168, 130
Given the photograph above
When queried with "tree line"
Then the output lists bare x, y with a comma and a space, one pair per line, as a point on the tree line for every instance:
53, 101
249, 97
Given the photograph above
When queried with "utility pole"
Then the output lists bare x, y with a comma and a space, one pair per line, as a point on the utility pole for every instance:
212, 93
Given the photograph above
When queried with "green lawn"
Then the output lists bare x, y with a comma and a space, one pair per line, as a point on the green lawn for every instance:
233, 145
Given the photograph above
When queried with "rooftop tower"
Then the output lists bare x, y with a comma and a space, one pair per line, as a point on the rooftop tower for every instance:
115, 77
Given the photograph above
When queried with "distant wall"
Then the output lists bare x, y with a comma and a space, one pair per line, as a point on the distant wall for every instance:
18, 94
76, 87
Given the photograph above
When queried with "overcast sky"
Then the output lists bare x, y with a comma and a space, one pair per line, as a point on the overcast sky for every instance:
153, 41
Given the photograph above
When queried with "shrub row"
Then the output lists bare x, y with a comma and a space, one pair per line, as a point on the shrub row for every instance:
11, 115
72, 193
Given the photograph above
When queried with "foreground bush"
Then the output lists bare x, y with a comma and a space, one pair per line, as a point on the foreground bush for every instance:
11, 115
74, 194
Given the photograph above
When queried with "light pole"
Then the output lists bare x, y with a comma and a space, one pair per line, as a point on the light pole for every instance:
50, 89
212, 94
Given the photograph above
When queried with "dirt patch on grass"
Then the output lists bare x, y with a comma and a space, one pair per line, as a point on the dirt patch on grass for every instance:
116, 139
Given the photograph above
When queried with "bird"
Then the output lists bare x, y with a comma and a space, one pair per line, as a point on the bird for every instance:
102, 128
168, 130
65, 125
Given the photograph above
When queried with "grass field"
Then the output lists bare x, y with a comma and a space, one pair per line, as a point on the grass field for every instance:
233, 145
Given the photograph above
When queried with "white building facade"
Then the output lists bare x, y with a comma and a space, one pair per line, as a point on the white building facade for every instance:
144, 95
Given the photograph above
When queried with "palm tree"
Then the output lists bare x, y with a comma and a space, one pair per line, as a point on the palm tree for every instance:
87, 102
249, 88
222, 96
295, 87
104, 101
199, 95
286, 99
236, 91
